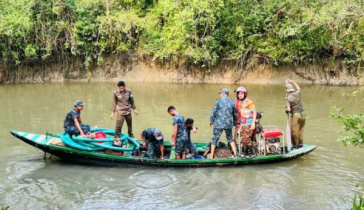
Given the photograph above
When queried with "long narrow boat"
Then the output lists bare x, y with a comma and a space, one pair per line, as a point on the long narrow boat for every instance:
54, 145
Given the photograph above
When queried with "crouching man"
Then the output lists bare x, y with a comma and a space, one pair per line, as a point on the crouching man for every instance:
153, 139
192, 151
73, 124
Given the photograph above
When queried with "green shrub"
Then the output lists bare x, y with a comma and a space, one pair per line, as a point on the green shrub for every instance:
358, 203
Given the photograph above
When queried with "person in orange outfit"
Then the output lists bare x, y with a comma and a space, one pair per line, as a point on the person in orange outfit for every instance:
247, 115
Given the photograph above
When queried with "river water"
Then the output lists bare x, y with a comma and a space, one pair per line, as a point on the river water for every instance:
324, 179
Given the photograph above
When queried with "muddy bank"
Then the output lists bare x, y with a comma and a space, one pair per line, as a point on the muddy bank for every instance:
133, 68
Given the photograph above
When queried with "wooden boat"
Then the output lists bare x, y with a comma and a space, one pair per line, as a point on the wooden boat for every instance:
53, 144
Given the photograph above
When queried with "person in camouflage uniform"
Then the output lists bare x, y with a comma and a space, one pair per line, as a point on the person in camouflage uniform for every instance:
180, 136
153, 139
223, 118
73, 124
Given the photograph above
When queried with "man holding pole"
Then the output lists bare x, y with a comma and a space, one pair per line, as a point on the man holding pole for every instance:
298, 116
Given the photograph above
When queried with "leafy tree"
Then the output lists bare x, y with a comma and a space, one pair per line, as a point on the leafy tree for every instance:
353, 126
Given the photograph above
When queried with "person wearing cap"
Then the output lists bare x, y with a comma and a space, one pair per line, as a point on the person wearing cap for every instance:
298, 116
73, 124
247, 115
123, 102
179, 136
223, 118
153, 139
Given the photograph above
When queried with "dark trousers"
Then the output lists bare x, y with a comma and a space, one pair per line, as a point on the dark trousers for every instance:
119, 125
73, 130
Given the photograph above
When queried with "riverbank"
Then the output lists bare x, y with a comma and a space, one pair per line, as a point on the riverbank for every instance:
133, 68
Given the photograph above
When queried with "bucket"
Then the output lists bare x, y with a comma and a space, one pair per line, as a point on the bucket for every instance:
100, 135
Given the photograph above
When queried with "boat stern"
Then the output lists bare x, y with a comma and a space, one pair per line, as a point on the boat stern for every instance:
299, 152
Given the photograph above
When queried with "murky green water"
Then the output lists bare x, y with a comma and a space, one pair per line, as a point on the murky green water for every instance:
325, 179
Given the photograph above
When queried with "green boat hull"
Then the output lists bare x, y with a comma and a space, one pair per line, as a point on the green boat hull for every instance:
100, 158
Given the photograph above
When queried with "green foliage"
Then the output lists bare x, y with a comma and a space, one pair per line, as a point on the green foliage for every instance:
352, 124
5, 208
194, 32
358, 204
89, 76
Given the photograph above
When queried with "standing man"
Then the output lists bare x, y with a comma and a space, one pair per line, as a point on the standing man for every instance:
153, 139
73, 123
223, 118
298, 116
180, 136
123, 102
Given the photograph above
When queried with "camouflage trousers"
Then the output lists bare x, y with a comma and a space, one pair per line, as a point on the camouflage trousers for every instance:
72, 130
246, 135
192, 148
153, 149
181, 144
119, 125
217, 133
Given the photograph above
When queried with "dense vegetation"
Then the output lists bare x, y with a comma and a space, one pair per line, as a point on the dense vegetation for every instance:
195, 32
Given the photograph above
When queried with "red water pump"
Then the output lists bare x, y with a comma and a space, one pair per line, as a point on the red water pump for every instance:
270, 141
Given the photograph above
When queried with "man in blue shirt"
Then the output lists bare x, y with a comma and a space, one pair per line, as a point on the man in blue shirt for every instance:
153, 139
73, 123
223, 118
180, 136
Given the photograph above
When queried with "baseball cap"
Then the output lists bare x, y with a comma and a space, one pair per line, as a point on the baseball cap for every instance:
158, 134
289, 88
79, 103
224, 90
